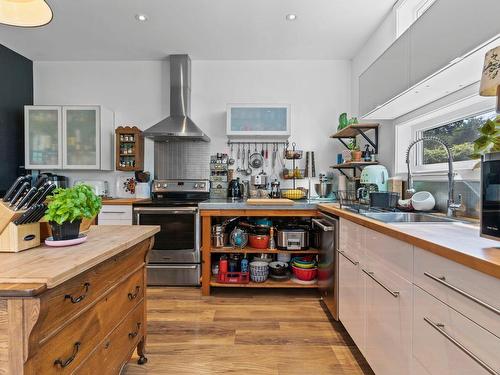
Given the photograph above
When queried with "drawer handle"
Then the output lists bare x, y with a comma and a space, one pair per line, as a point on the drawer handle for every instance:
59, 362
79, 298
131, 296
442, 280
113, 212
440, 328
372, 276
348, 258
132, 335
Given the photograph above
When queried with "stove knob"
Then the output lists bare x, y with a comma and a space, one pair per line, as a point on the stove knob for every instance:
165, 186
158, 186
196, 186
202, 186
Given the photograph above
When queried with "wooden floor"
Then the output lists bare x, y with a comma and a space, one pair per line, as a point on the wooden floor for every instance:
251, 332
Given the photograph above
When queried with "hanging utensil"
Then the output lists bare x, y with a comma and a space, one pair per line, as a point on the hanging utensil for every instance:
313, 165
262, 150
273, 156
231, 159
249, 170
306, 171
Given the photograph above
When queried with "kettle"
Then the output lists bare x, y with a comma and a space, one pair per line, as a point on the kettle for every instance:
235, 189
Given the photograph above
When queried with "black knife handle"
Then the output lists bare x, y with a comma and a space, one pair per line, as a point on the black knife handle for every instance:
44, 195
19, 192
22, 219
15, 186
39, 192
25, 199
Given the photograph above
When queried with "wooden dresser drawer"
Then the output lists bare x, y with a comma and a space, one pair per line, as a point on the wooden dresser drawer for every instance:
472, 293
447, 343
108, 357
65, 302
63, 352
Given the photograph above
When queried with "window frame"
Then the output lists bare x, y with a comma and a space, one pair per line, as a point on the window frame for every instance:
408, 131
408, 11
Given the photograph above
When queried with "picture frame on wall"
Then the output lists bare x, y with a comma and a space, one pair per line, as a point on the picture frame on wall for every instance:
258, 120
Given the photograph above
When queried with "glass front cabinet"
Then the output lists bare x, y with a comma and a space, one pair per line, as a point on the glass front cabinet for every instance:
68, 137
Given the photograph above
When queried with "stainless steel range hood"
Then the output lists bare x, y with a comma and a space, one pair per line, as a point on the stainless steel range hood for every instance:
178, 126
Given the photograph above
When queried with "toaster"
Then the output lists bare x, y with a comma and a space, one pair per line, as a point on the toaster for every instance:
292, 239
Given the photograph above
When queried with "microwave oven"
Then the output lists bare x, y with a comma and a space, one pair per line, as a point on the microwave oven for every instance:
490, 196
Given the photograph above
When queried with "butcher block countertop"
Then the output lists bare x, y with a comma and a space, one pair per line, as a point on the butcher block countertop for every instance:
44, 267
456, 241
122, 201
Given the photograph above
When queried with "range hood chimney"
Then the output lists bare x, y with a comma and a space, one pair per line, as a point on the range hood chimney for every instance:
178, 126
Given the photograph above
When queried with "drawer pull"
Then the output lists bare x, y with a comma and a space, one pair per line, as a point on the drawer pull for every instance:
59, 362
347, 257
440, 328
442, 280
131, 296
79, 298
394, 293
113, 212
132, 335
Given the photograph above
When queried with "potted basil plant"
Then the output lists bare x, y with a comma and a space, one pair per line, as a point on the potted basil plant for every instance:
67, 208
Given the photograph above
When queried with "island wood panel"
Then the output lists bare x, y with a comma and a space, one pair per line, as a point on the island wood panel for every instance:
456, 242
261, 212
21, 349
46, 265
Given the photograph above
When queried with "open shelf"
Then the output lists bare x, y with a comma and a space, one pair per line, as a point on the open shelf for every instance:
248, 249
354, 164
269, 283
353, 130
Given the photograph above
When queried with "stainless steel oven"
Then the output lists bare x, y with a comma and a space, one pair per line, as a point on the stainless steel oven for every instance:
490, 196
175, 258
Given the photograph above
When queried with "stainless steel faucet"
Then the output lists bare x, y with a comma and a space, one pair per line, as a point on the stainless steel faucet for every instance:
452, 206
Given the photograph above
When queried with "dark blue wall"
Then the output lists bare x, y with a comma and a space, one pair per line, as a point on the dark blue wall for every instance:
16, 91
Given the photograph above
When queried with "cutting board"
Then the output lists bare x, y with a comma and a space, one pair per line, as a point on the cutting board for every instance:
270, 202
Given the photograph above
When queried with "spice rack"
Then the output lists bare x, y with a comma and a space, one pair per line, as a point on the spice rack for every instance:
129, 149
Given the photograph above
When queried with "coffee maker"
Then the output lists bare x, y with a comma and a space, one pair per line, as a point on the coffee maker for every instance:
373, 178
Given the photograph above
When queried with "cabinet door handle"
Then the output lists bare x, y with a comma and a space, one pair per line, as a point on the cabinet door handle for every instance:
323, 227
113, 212
133, 296
442, 281
348, 258
131, 335
394, 293
86, 287
59, 362
440, 328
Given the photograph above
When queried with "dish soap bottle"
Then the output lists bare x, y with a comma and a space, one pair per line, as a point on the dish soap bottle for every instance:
244, 264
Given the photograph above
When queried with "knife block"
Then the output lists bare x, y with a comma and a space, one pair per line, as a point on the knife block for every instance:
7, 215
15, 238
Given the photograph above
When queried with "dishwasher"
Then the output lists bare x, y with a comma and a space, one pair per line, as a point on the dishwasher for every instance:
327, 227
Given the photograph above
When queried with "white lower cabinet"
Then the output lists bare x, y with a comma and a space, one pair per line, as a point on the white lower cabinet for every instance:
115, 215
405, 322
352, 296
388, 320
447, 343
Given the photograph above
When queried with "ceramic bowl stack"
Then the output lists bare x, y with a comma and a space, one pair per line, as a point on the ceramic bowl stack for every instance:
304, 268
259, 271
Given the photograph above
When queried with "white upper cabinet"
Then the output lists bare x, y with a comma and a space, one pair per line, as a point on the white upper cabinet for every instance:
69, 137
440, 52
43, 137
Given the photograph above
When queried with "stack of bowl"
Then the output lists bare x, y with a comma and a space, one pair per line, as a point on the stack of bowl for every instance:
259, 271
304, 268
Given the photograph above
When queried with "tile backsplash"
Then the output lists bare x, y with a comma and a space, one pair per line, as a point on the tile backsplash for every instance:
178, 160
470, 191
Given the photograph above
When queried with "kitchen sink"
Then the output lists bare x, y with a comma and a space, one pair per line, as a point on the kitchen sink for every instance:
407, 217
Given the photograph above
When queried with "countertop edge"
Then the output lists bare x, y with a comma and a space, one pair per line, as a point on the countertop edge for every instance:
468, 260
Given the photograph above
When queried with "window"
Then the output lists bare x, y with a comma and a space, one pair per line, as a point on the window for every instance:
459, 135
408, 11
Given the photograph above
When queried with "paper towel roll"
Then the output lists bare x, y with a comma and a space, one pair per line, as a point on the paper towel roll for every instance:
342, 183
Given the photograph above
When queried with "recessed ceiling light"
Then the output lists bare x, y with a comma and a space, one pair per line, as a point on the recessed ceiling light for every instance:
141, 17
291, 17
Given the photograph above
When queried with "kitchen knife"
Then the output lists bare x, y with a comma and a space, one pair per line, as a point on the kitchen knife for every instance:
30, 194
22, 219
39, 192
40, 212
15, 187
45, 193
33, 215
40, 180
25, 186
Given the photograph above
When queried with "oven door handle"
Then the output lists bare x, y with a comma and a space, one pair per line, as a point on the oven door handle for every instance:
165, 210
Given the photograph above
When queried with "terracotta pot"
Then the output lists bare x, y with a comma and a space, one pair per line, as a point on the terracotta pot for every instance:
356, 155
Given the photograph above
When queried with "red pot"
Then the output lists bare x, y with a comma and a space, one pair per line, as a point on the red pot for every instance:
258, 241
305, 274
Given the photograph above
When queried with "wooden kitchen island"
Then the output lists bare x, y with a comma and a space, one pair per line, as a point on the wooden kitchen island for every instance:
75, 310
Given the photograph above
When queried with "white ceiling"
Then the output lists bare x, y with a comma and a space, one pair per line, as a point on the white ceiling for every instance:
206, 29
